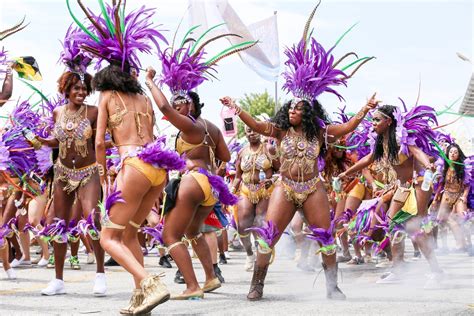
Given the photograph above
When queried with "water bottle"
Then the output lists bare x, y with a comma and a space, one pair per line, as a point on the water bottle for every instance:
427, 178
262, 176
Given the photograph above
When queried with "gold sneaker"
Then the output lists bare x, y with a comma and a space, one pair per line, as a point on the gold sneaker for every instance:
135, 301
155, 293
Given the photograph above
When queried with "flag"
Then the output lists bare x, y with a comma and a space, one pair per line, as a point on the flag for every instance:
27, 68
262, 58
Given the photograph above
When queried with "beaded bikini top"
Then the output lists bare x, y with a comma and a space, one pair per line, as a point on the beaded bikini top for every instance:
73, 128
255, 160
295, 149
452, 184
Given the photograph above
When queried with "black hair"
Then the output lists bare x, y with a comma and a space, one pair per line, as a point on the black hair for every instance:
312, 114
393, 146
459, 169
113, 77
196, 101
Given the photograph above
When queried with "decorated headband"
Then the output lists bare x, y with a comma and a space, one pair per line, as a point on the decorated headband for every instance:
115, 36
383, 114
311, 70
185, 68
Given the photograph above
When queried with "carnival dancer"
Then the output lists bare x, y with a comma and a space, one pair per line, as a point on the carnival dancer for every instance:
127, 113
183, 69
396, 155
452, 193
301, 131
256, 164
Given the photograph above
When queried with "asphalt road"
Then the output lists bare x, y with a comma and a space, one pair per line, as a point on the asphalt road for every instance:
288, 291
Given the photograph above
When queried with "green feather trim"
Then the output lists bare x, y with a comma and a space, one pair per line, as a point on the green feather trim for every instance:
448, 107
344, 34
122, 19
35, 90
225, 51
95, 38
187, 33
202, 36
355, 62
108, 21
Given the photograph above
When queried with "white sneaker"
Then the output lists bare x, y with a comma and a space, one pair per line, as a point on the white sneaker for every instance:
15, 263
11, 274
55, 287
25, 263
42, 263
384, 264
433, 282
389, 278
227, 255
90, 258
100, 286
249, 262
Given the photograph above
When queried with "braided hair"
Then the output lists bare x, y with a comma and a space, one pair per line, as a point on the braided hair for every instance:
393, 147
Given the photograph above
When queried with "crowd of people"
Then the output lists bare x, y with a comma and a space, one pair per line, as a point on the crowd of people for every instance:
101, 176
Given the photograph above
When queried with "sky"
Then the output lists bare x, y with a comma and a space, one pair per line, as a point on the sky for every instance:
415, 42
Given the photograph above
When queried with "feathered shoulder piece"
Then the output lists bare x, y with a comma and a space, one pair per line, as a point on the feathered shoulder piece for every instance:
312, 70
416, 129
186, 67
116, 36
72, 56
469, 172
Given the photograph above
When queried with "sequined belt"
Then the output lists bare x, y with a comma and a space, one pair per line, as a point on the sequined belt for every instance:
73, 178
298, 192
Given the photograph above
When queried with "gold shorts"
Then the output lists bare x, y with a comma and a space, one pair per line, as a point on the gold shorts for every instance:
256, 192
156, 176
203, 181
358, 191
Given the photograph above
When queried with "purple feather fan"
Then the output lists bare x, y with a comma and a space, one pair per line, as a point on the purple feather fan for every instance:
220, 188
4, 156
118, 37
155, 233
46, 124
158, 156
44, 159
266, 235
72, 56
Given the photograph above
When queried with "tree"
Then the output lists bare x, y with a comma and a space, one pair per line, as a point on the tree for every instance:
256, 104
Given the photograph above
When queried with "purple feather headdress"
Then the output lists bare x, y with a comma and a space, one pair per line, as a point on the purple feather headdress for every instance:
266, 235
416, 129
72, 56
185, 68
115, 36
311, 70
325, 237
